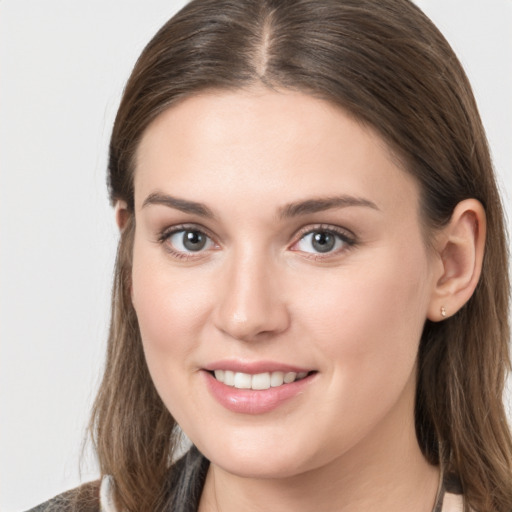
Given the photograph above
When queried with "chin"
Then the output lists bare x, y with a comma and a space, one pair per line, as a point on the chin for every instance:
260, 459
260, 467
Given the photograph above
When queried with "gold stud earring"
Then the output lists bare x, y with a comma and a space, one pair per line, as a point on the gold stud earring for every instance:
443, 311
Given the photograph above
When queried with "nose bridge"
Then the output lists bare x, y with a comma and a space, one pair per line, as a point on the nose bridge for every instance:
251, 304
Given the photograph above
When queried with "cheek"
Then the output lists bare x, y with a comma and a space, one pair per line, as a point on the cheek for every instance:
170, 305
170, 309
366, 326
368, 319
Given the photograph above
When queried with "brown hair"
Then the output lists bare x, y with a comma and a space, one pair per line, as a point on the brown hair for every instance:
387, 64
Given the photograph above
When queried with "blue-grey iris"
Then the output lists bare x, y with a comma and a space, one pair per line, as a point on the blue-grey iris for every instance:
194, 240
323, 241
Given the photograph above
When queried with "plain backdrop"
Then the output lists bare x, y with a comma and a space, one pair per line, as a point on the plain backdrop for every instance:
63, 64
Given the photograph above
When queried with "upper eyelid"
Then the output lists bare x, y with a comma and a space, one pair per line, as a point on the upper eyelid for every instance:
338, 230
170, 230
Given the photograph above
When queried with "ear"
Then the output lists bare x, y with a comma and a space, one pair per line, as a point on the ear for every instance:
122, 214
460, 247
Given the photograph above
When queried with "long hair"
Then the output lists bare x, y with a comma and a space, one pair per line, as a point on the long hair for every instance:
385, 63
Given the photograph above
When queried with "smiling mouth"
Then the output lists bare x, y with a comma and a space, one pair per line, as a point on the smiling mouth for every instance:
259, 381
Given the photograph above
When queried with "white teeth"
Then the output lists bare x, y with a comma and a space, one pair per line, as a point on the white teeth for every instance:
276, 379
289, 377
229, 378
242, 380
258, 381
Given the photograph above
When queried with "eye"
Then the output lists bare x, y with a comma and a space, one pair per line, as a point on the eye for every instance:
188, 241
322, 241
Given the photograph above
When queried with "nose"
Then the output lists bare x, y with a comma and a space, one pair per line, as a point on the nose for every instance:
251, 304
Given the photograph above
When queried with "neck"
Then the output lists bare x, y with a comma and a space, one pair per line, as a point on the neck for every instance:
385, 472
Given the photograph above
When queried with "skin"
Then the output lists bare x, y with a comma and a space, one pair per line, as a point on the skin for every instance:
259, 290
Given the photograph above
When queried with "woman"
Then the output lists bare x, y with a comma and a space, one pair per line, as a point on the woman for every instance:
311, 275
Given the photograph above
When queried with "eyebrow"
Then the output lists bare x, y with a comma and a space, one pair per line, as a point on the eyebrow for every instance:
294, 209
323, 203
183, 205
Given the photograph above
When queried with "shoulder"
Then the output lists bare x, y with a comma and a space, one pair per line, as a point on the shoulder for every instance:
184, 488
85, 498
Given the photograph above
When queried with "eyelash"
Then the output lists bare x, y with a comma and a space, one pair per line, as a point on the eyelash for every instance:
167, 233
346, 237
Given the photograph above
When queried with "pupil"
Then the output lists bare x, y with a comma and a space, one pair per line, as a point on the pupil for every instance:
323, 241
193, 240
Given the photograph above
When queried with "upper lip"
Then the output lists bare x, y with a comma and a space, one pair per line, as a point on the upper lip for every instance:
254, 367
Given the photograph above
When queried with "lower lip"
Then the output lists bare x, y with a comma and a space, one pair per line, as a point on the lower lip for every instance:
249, 401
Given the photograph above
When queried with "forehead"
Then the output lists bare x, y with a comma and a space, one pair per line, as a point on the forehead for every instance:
262, 143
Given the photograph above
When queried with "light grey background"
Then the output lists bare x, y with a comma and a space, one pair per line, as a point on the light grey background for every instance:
63, 64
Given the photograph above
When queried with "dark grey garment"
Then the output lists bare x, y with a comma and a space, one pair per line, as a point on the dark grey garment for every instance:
187, 481
450, 485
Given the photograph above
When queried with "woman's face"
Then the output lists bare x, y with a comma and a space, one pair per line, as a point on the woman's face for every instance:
278, 245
